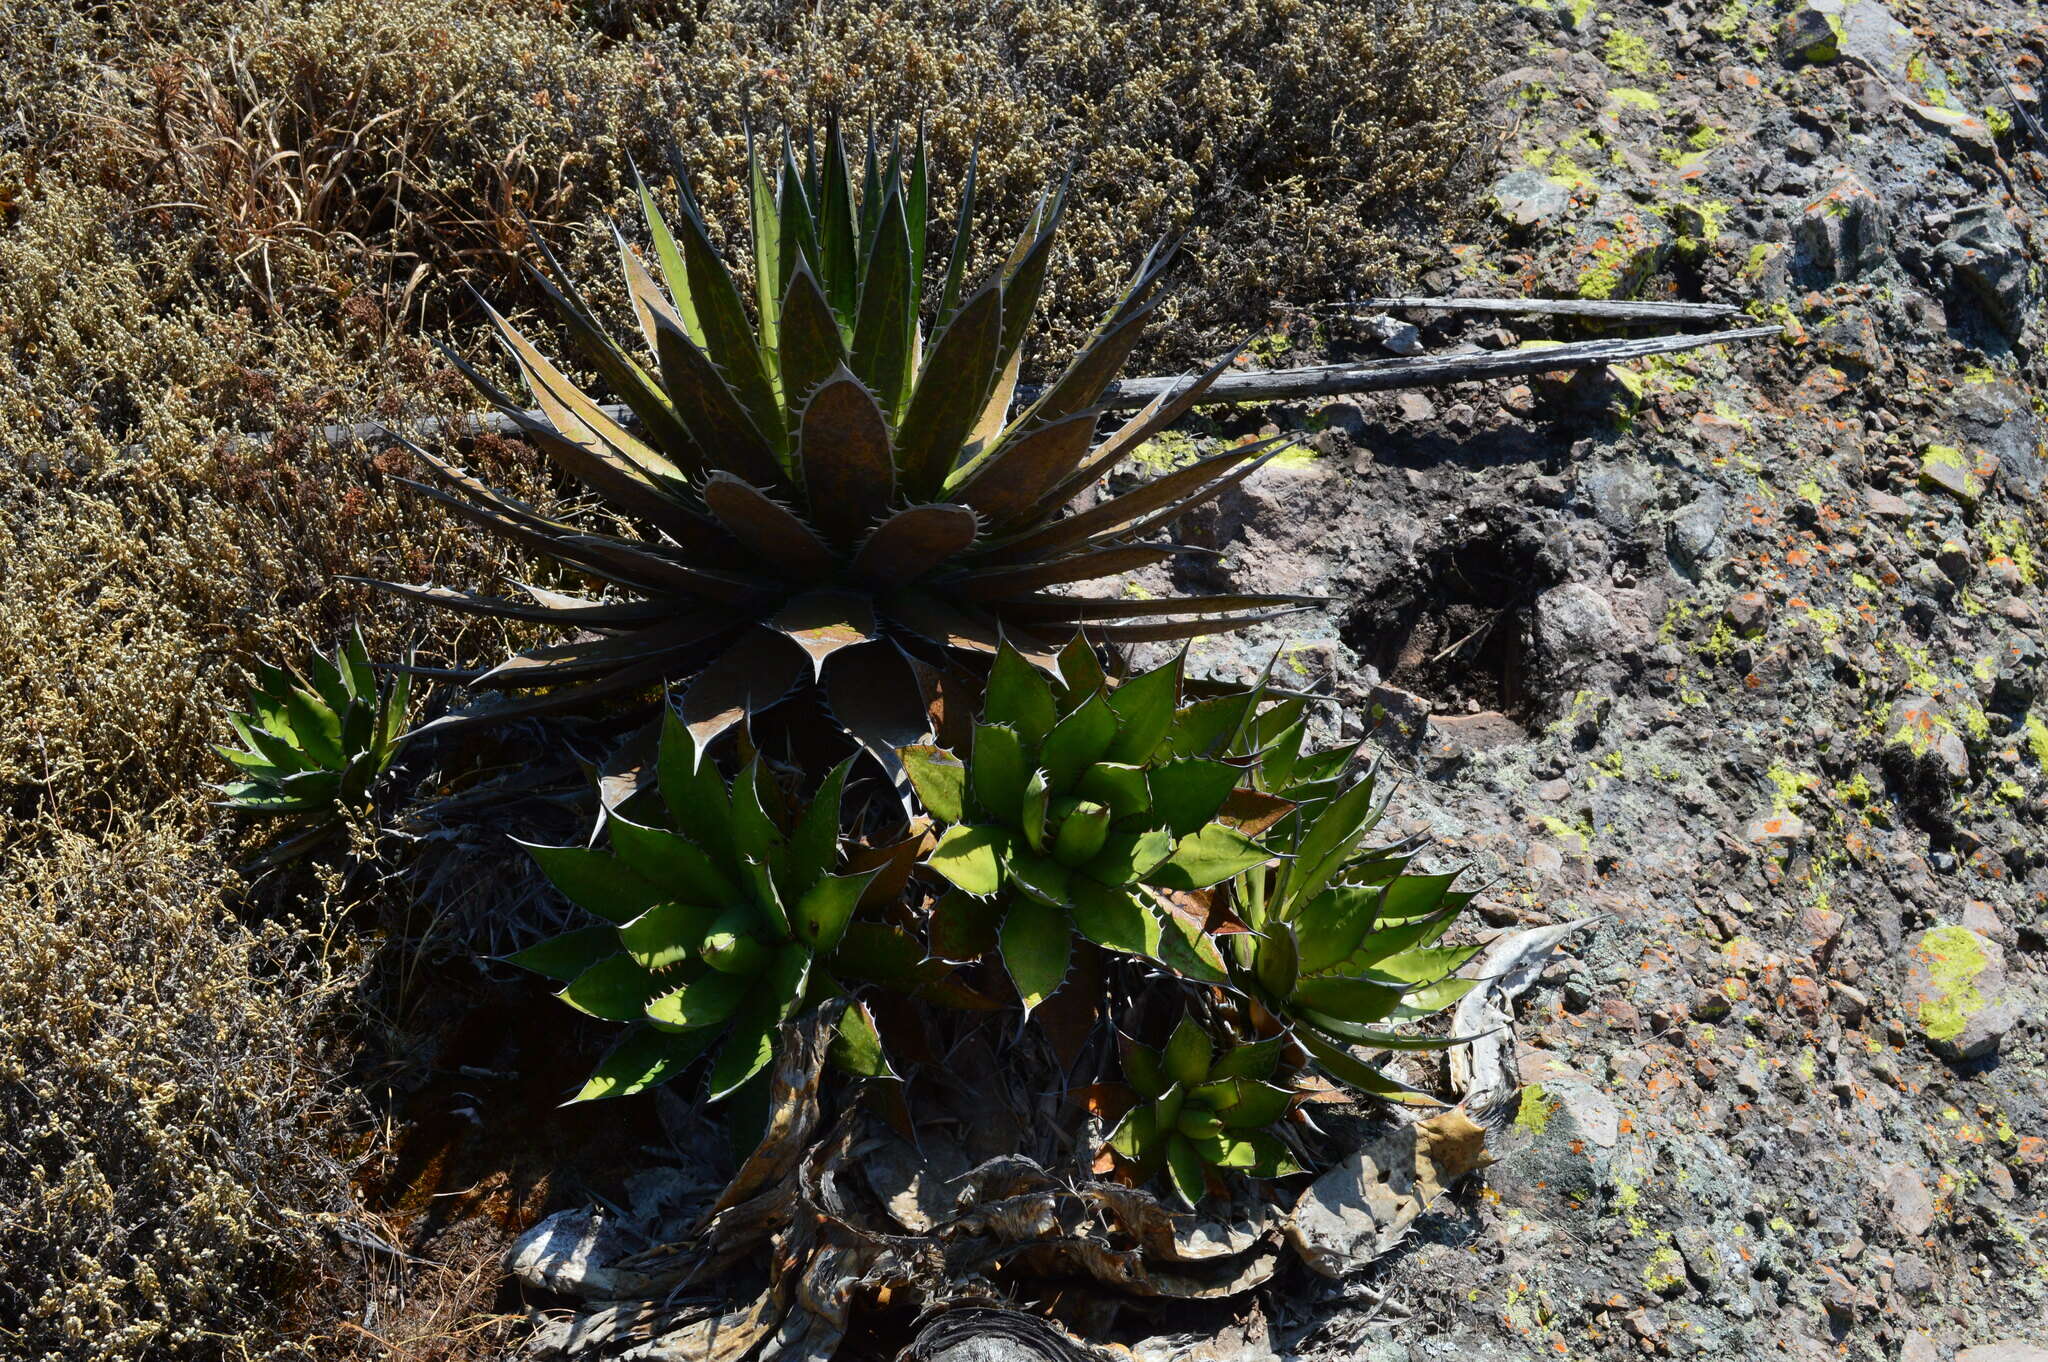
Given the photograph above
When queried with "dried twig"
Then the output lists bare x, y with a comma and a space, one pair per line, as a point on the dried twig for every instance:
1553, 307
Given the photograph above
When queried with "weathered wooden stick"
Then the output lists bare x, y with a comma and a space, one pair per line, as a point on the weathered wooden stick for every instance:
1276, 385
1554, 307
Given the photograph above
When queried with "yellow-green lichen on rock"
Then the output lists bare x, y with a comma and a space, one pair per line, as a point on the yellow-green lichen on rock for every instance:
1952, 959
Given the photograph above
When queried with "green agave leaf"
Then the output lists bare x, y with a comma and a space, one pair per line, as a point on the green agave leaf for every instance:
728, 335
1244, 1103
595, 881
316, 727
963, 927
1331, 926
707, 1000
998, 771
681, 869
1077, 742
616, 988
939, 780
1188, 792
1256, 1153
667, 934
1186, 1058
673, 272
971, 856
888, 309
1019, 696
1037, 949
1081, 668
1114, 917
1128, 857
1356, 1034
1209, 856
814, 846
954, 388
1189, 951
1255, 1059
1348, 1069
696, 796
1044, 879
642, 1058
1123, 789
1081, 835
748, 1049
1144, 707
1425, 966
1353, 1000
857, 1045
1037, 802
568, 955
1184, 1169
1277, 961
1135, 1135
963, 243
1431, 999
1325, 846
768, 273
1392, 942
838, 239
1144, 1068
1417, 896
813, 349
827, 906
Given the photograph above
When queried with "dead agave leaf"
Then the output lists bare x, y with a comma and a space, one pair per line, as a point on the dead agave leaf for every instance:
1362, 1208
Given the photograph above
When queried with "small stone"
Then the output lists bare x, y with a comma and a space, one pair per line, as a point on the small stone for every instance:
1957, 993
1401, 338
1414, 407
1519, 400
576, 1253
1777, 827
1970, 133
1748, 613
1989, 258
1908, 1204
1841, 234
1885, 506
1912, 1273
1918, 1347
1812, 32
2004, 1350
1944, 468
1345, 416
1923, 735
1530, 198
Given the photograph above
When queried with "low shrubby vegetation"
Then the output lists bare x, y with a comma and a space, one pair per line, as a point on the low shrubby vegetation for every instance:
221, 218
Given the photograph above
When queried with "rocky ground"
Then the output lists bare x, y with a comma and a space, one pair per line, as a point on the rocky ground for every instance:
1742, 650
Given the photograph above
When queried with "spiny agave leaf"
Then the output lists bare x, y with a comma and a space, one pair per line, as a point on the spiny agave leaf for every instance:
596, 882
838, 241
951, 393
563, 699
940, 779
774, 532
581, 614
799, 227
1184, 1169
1127, 857
1182, 487
1255, 1060
1188, 792
648, 297
1144, 706
823, 622
857, 1045
1186, 1057
1431, 999
626, 488
1348, 1069
1189, 951
1037, 949
1354, 1034
814, 843
1006, 483
670, 258
695, 794
934, 617
1024, 276
357, 674
317, 727
997, 771
759, 670
566, 662
917, 208
1037, 805
963, 241
1115, 917
635, 566
1161, 412
1331, 926
971, 856
1087, 376
683, 869
1122, 788
1175, 630
668, 934
616, 988
913, 542
256, 797
1082, 834
707, 1000
1277, 961
878, 696
572, 412
1018, 695
1397, 940
747, 1050
888, 309
1352, 1000
1413, 896
843, 450
1000, 583
718, 420
963, 927
1425, 965
247, 761
1077, 742
642, 1058
1209, 856
1041, 877
1325, 846
1071, 610
727, 332
1080, 668
768, 247
872, 191
812, 347
826, 907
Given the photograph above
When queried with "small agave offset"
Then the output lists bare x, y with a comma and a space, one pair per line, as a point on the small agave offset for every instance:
313, 747
833, 494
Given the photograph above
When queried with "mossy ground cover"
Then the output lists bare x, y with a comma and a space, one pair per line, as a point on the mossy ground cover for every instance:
222, 218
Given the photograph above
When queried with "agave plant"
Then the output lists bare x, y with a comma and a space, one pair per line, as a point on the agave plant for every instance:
1199, 1110
1344, 941
1074, 805
312, 749
718, 925
815, 494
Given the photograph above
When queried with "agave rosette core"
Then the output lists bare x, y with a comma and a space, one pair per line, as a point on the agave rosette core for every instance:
809, 492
